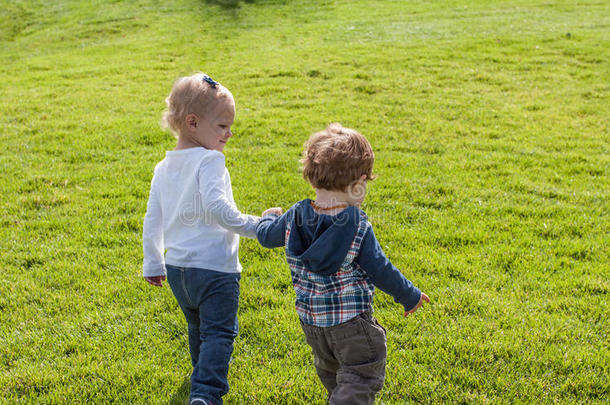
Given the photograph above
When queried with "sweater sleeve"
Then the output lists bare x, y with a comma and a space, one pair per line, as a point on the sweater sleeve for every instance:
271, 230
152, 234
216, 201
383, 274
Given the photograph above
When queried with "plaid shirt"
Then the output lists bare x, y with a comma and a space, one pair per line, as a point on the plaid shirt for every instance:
330, 300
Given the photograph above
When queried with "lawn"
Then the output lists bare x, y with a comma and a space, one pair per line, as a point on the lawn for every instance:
490, 124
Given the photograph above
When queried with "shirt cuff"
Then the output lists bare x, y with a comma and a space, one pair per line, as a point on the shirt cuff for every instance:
413, 299
152, 271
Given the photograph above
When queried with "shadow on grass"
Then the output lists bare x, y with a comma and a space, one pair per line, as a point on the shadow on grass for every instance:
235, 4
227, 4
181, 397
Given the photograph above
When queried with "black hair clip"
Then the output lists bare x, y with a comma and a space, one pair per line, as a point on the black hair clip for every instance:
213, 83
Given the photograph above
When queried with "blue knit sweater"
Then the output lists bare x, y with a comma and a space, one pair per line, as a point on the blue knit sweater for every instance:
322, 241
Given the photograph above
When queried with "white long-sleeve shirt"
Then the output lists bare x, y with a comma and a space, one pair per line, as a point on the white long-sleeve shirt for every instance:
191, 215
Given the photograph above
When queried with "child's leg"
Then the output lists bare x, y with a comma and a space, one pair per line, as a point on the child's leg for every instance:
176, 280
209, 300
324, 360
360, 346
218, 328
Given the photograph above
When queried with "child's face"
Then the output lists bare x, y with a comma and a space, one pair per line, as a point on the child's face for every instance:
214, 128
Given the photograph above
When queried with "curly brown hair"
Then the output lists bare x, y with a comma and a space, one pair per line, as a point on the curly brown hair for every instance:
336, 158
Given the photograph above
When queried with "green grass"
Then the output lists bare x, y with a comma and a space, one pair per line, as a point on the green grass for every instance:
490, 125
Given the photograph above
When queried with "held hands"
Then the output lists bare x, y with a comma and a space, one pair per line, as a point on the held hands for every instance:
274, 210
423, 298
155, 280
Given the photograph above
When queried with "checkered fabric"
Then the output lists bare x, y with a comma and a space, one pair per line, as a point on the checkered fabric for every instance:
330, 300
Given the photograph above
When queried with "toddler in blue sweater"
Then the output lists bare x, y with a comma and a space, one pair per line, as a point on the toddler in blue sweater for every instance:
336, 262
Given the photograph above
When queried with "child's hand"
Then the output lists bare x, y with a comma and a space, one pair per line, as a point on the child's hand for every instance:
274, 210
155, 280
423, 298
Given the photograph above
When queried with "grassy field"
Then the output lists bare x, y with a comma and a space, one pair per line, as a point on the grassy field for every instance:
490, 125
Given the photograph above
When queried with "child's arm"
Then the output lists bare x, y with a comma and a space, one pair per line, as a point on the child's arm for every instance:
385, 276
271, 230
216, 202
152, 239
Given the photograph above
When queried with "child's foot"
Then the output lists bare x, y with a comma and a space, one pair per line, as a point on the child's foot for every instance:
200, 401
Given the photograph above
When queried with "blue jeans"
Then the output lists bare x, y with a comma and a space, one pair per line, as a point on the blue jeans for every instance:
209, 300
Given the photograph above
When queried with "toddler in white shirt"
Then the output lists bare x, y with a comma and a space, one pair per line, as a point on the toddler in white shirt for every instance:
192, 227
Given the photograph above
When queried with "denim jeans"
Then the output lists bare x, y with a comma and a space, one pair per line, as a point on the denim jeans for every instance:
209, 301
350, 359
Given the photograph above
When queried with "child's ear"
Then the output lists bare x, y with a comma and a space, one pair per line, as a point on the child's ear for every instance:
191, 122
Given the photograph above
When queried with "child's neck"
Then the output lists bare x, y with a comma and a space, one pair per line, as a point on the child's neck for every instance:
185, 142
334, 201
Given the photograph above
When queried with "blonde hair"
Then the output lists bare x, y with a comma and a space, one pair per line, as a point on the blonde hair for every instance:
336, 158
191, 95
